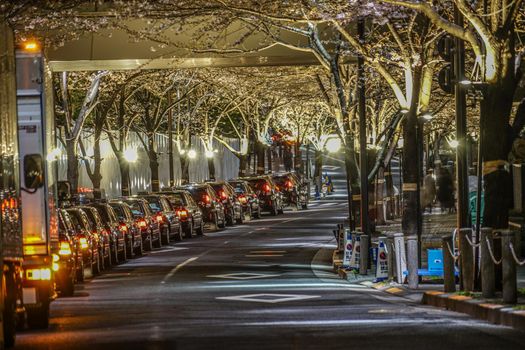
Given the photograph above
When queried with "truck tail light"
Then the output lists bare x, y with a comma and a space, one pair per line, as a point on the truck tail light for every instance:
64, 248
43, 274
83, 243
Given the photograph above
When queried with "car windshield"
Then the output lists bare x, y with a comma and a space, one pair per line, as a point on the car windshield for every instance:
136, 209
177, 199
93, 218
257, 183
155, 204
105, 214
119, 211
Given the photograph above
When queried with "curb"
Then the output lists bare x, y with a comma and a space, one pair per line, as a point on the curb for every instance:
501, 314
396, 289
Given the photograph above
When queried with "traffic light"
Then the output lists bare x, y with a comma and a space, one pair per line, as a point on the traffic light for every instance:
445, 49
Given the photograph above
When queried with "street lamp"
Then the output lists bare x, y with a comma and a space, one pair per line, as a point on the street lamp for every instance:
427, 116
333, 145
208, 154
453, 143
192, 154
131, 155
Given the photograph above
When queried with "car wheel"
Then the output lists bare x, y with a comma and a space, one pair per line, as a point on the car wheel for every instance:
149, 243
304, 206
38, 318
158, 241
230, 221
69, 288
281, 210
274, 211
129, 247
240, 220
139, 251
95, 266
80, 271
124, 253
258, 213
200, 230
165, 238
114, 256
189, 230
223, 223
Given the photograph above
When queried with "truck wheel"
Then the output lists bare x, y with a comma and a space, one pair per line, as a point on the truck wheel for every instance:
38, 318
9, 314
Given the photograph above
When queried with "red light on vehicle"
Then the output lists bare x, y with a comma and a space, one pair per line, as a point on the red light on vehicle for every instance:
159, 218
206, 199
223, 195
289, 184
142, 223
123, 228
266, 188
182, 213
243, 199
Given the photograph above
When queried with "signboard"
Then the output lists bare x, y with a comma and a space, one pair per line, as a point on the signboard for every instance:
381, 262
356, 253
348, 247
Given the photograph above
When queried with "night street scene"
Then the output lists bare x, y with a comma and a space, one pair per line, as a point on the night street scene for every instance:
262, 174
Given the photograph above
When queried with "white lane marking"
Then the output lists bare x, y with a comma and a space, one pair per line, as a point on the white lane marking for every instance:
269, 298
170, 249
262, 255
178, 267
267, 251
243, 276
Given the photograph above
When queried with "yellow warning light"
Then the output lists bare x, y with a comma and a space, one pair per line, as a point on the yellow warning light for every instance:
30, 45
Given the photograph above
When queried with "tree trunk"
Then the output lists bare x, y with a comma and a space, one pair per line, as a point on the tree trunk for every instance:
380, 185
72, 165
124, 174
96, 176
352, 180
318, 168
243, 165
259, 151
390, 207
496, 146
269, 158
298, 158
184, 168
153, 164
211, 168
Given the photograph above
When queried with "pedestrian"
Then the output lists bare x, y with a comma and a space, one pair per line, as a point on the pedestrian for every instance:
428, 193
445, 191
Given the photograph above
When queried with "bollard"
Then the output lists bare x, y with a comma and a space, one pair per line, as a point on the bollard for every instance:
466, 260
391, 257
449, 277
510, 287
363, 263
488, 283
412, 262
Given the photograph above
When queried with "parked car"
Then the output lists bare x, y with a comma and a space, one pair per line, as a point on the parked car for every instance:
209, 203
148, 224
270, 198
294, 191
232, 206
104, 236
170, 226
189, 213
247, 197
67, 262
129, 227
111, 224
88, 241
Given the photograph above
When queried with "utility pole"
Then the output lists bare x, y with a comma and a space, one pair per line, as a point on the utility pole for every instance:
170, 142
362, 131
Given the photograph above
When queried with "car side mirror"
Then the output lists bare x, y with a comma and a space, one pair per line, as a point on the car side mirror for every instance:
33, 171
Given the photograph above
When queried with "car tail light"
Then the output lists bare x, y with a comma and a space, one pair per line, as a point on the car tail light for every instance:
64, 248
123, 228
243, 199
83, 243
182, 213
142, 223
206, 199
159, 218
288, 184
266, 188
223, 195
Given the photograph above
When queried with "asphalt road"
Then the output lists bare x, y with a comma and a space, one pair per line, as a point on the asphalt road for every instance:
263, 285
